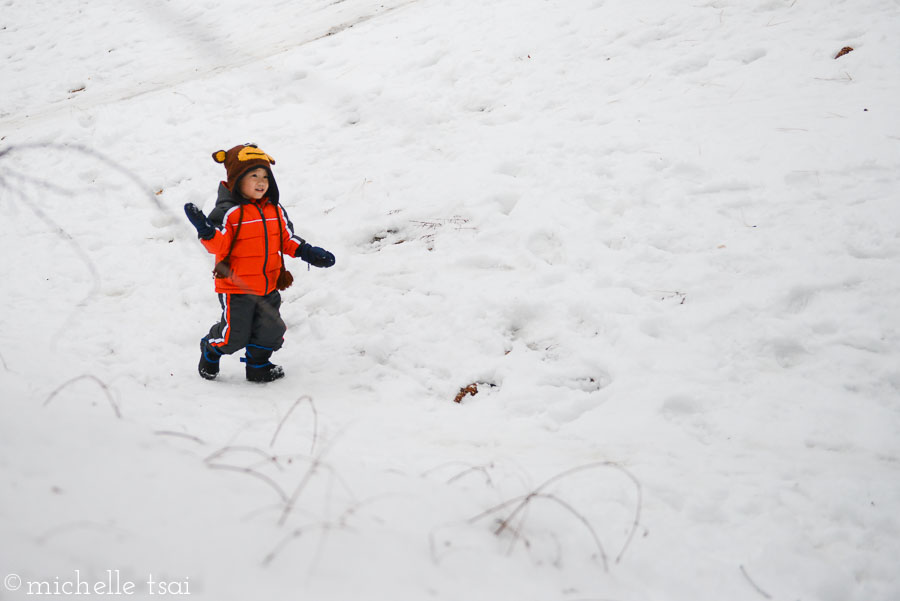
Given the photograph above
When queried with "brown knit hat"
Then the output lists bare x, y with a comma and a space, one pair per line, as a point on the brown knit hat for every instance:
241, 159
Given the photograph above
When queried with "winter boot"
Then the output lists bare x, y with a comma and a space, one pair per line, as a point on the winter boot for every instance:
259, 368
209, 360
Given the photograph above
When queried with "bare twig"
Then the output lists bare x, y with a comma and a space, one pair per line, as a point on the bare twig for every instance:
251, 472
267, 509
475, 468
94, 379
315, 463
295, 534
444, 465
76, 247
52, 225
433, 224
324, 527
673, 294
504, 524
638, 506
497, 508
584, 522
846, 78
754, 585
284, 419
86, 150
521, 504
315, 414
289, 502
179, 434
244, 449
516, 531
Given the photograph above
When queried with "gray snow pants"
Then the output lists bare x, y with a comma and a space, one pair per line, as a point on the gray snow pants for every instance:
248, 319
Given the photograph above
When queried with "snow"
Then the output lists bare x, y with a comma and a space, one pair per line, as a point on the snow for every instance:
662, 238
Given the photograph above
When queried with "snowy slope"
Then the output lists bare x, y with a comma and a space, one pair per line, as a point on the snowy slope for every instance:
662, 238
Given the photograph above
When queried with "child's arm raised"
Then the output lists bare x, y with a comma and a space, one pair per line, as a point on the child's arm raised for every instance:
205, 228
216, 240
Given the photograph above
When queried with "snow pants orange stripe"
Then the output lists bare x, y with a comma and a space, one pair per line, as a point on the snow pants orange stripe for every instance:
248, 319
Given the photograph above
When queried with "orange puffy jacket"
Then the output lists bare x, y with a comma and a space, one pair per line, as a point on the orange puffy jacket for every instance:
263, 232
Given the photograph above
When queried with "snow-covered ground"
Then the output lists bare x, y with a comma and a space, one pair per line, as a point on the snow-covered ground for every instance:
662, 238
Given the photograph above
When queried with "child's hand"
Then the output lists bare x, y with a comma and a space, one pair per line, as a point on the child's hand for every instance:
200, 221
315, 256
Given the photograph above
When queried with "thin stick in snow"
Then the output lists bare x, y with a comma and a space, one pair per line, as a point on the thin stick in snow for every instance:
521, 505
475, 468
324, 527
265, 456
315, 463
315, 414
754, 585
99, 383
255, 474
76, 247
180, 435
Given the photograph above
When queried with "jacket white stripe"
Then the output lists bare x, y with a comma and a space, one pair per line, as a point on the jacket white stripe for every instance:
290, 226
223, 227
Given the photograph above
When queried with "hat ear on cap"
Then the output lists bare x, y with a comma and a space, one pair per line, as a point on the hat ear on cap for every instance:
219, 156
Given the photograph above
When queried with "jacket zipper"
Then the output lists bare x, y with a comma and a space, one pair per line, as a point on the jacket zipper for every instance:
266, 259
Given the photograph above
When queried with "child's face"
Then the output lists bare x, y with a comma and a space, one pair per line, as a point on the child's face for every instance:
255, 184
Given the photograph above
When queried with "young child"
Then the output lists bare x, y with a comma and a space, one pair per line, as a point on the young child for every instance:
249, 232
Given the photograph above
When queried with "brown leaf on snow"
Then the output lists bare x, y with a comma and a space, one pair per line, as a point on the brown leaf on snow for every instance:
844, 50
470, 389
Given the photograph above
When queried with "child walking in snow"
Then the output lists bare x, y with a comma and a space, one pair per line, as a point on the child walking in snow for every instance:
249, 232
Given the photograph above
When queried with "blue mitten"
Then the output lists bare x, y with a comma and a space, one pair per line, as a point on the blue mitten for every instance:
205, 228
315, 256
